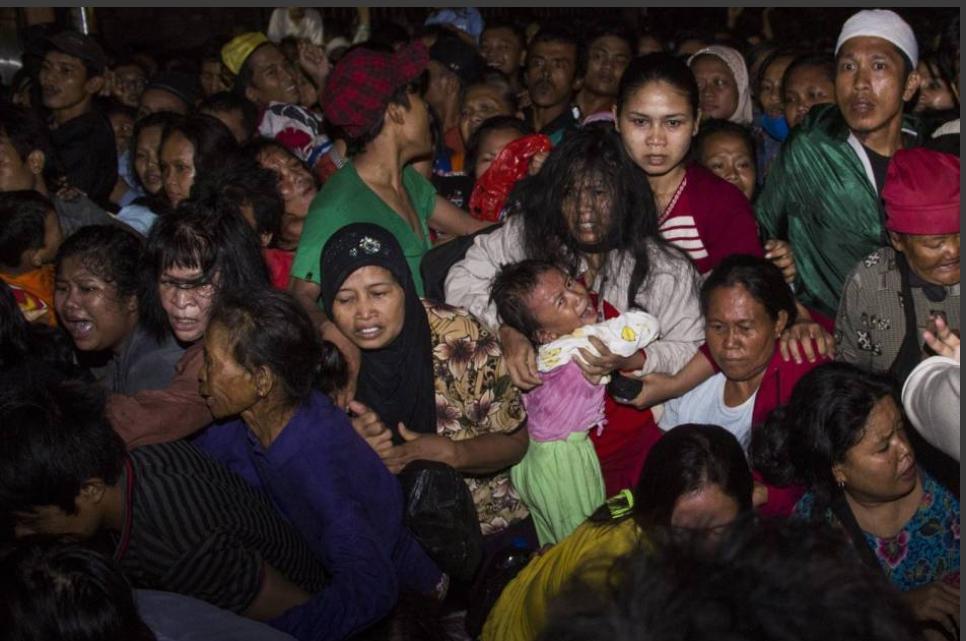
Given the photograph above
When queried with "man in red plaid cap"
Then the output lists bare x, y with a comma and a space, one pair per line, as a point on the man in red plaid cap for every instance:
375, 97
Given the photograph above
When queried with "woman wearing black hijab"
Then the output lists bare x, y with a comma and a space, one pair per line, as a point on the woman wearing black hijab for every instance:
433, 384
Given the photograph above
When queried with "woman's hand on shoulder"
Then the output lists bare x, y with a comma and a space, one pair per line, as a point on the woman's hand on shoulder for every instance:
521, 358
370, 427
780, 253
936, 603
796, 342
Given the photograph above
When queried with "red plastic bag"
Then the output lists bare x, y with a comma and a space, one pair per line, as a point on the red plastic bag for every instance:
510, 165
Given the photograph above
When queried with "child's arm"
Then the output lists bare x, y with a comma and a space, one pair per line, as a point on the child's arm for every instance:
659, 387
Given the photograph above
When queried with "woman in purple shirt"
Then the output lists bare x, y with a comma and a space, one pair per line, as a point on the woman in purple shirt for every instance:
262, 359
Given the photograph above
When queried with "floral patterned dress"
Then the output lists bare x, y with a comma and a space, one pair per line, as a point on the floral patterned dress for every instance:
925, 550
475, 396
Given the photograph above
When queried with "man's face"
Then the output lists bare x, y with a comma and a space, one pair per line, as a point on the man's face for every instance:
211, 78
15, 173
501, 48
128, 85
551, 73
935, 259
608, 56
272, 77
869, 84
64, 83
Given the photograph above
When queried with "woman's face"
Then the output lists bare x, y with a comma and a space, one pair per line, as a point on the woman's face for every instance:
740, 333
146, 162
370, 307
177, 167
656, 124
717, 86
770, 88
881, 467
707, 509
187, 304
228, 388
806, 87
90, 309
728, 156
587, 210
481, 102
490, 147
934, 93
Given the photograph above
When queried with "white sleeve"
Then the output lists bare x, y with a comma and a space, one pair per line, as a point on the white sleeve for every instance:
931, 400
468, 281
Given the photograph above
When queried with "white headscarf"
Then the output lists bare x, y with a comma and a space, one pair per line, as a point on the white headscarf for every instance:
881, 23
736, 64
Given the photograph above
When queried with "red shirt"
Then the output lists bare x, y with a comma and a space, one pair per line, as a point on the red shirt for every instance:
709, 220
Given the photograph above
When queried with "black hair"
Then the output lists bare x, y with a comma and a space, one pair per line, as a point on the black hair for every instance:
112, 106
55, 438
27, 133
496, 123
715, 126
227, 101
824, 418
23, 215
510, 289
939, 68
780, 52
762, 581
214, 145
257, 146
658, 67
759, 277
92, 70
684, 460
385, 32
510, 25
559, 32
20, 340
689, 34
110, 252
493, 77
649, 33
163, 119
611, 27
245, 183
208, 237
824, 61
593, 152
269, 328
63, 591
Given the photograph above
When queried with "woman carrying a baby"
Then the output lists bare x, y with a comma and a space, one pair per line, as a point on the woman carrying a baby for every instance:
590, 210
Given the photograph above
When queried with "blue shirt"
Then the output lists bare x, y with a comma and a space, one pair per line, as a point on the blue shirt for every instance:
326, 480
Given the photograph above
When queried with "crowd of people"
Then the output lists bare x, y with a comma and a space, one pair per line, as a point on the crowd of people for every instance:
482, 330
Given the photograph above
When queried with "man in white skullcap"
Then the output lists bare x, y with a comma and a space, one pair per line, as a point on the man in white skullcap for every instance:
823, 193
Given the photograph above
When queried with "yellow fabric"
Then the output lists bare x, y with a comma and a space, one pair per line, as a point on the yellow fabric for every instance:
236, 52
521, 610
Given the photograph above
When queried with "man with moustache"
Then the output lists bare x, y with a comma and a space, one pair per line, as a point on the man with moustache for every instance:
555, 68
72, 73
609, 51
822, 194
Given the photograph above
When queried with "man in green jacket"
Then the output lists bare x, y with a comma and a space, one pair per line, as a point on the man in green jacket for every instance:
822, 193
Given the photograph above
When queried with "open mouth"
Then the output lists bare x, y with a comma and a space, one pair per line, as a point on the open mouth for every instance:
79, 328
369, 333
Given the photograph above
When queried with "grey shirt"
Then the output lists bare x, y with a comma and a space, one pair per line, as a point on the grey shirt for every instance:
142, 363
871, 325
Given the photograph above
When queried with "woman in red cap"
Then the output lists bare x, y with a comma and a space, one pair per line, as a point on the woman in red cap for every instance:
874, 328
